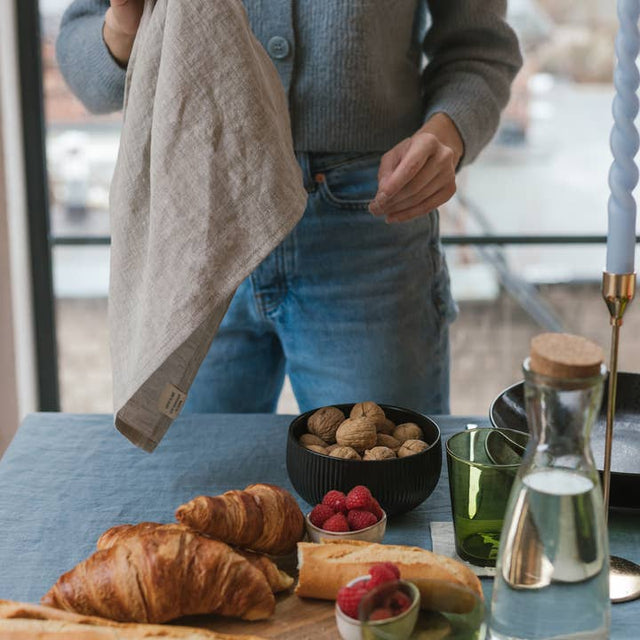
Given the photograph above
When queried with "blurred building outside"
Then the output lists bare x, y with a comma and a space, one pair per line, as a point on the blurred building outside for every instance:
545, 173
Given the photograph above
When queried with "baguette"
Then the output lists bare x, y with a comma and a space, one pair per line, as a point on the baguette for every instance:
23, 621
443, 582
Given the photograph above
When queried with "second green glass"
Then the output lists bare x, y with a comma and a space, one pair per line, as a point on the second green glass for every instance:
482, 465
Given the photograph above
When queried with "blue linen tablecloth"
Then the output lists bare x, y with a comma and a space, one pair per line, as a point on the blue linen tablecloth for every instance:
66, 478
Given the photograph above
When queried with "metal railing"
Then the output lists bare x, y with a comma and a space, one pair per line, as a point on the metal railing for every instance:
483, 240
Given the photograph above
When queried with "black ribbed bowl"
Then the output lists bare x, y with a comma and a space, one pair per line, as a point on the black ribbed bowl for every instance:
399, 484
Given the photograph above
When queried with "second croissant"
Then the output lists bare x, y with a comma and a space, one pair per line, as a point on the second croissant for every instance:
263, 517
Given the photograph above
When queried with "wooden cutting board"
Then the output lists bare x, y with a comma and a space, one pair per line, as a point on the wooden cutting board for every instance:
306, 619
299, 618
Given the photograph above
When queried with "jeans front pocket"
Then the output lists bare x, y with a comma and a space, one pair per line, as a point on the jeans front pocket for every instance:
352, 184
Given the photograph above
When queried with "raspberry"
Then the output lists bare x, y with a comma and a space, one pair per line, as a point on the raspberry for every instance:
376, 509
359, 498
340, 505
392, 567
359, 519
398, 602
382, 572
382, 613
337, 523
336, 500
349, 598
320, 514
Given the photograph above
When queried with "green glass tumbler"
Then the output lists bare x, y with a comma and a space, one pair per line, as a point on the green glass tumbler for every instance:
482, 464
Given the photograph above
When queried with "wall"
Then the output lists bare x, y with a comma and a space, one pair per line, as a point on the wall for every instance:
17, 356
8, 383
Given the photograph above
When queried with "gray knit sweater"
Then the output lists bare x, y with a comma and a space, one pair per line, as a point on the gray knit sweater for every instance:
352, 69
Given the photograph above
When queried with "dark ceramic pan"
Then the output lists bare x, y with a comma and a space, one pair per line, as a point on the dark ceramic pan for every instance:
507, 410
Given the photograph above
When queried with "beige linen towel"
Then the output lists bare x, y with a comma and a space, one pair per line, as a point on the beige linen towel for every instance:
205, 186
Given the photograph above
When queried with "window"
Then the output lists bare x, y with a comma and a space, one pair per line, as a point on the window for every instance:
524, 236
81, 151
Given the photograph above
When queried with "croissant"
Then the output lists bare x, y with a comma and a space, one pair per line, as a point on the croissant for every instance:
122, 532
161, 575
278, 580
263, 518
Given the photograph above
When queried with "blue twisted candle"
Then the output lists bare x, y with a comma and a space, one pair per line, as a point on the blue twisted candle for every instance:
623, 176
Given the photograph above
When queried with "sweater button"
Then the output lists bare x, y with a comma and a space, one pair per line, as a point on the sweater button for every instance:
278, 47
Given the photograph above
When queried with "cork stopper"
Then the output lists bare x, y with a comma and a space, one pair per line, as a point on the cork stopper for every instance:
562, 355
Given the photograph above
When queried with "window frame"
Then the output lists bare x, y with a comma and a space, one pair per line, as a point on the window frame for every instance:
33, 127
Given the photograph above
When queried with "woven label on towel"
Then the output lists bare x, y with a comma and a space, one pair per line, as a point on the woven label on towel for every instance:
171, 401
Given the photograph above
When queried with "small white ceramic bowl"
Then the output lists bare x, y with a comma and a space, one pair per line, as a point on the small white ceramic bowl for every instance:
399, 628
374, 533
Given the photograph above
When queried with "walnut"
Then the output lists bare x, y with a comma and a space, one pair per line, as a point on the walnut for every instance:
325, 422
308, 438
348, 453
369, 410
411, 447
359, 433
386, 427
383, 440
331, 447
316, 448
378, 453
408, 431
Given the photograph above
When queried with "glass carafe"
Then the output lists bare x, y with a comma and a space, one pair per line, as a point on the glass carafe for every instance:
552, 570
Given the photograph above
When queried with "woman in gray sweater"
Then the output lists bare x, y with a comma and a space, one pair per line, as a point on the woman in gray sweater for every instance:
355, 304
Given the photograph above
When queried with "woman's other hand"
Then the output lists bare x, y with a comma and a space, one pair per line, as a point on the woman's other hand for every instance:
419, 173
120, 27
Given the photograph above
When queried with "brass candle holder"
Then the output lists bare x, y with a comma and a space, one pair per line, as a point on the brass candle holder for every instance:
618, 290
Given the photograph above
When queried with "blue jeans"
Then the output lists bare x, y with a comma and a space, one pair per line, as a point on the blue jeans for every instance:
351, 308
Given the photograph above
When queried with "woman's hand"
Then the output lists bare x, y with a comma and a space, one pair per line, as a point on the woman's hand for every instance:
419, 173
120, 27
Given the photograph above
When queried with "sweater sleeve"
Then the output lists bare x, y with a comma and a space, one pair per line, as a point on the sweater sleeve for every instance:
473, 56
85, 62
